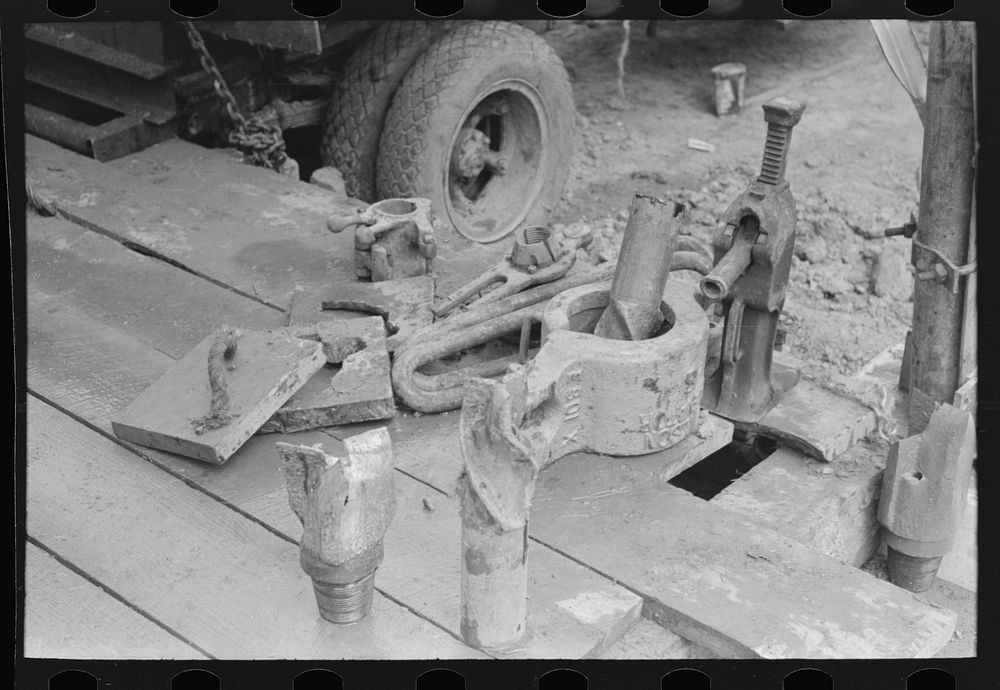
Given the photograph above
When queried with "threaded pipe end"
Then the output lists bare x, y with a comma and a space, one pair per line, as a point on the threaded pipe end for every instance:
914, 573
343, 604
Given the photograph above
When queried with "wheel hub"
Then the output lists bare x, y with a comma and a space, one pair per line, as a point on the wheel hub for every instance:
473, 154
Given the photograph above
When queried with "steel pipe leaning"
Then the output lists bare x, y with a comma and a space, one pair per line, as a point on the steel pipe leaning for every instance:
633, 311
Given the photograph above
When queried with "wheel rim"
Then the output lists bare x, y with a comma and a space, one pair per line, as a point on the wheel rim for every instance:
497, 157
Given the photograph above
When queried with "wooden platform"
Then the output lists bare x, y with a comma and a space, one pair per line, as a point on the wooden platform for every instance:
184, 559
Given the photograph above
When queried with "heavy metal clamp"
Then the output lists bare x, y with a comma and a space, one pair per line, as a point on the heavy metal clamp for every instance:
753, 254
393, 238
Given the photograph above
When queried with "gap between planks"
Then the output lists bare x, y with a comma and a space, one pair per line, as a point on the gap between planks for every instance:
55, 592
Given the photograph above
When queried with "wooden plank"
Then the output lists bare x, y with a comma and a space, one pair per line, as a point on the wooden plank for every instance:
721, 580
647, 640
359, 390
260, 233
263, 372
249, 228
169, 309
421, 567
830, 507
68, 617
85, 364
223, 582
816, 421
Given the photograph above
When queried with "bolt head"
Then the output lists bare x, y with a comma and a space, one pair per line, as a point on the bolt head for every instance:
783, 111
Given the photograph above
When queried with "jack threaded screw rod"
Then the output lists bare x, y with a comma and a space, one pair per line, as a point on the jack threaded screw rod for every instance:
781, 114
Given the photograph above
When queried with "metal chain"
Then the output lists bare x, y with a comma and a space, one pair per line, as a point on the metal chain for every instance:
262, 144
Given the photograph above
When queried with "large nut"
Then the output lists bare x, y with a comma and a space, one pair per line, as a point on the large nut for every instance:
535, 247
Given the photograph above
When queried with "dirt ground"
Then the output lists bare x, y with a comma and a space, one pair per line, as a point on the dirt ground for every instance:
853, 168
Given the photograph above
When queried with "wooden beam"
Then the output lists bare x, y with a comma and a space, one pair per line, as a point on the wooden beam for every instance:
721, 580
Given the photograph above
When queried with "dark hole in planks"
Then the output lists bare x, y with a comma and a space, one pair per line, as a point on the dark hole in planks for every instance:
716, 472
69, 106
302, 144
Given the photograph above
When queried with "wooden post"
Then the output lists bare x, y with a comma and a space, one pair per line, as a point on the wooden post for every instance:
345, 506
495, 491
947, 182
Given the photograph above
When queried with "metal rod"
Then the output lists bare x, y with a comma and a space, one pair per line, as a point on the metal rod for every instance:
946, 185
633, 311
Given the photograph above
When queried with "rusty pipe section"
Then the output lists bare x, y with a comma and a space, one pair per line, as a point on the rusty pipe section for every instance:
633, 312
717, 283
345, 505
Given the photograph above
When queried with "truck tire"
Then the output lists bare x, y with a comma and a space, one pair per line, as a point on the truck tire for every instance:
482, 125
360, 100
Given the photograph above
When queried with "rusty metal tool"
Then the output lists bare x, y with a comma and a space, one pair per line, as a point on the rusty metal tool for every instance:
924, 491
633, 311
753, 252
393, 238
404, 304
581, 392
538, 256
465, 330
487, 322
345, 505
